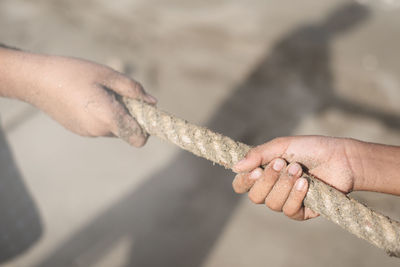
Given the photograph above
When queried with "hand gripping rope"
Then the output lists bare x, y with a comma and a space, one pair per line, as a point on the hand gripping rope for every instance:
351, 215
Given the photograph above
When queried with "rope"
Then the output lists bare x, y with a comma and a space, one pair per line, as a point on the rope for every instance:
348, 213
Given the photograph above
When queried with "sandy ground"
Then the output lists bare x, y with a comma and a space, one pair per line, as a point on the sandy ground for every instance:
252, 71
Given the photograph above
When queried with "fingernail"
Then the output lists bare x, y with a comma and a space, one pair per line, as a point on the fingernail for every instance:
294, 169
255, 174
278, 165
151, 99
300, 184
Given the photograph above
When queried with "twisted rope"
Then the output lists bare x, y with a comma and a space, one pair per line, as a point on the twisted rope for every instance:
353, 216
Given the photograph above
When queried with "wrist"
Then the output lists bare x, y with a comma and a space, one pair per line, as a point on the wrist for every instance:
375, 166
353, 152
18, 74
7, 72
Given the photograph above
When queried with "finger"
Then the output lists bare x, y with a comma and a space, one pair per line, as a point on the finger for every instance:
128, 87
304, 214
125, 126
262, 154
244, 181
130, 131
281, 190
299, 215
294, 203
264, 184
309, 214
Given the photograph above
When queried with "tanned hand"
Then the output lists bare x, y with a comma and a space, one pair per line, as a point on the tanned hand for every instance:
82, 96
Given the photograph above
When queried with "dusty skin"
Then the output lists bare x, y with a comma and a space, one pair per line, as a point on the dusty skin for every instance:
79, 94
321, 198
230, 60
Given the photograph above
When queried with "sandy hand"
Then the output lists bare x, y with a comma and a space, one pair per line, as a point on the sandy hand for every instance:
279, 185
80, 95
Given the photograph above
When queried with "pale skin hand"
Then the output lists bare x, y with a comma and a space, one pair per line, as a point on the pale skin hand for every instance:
81, 95
345, 164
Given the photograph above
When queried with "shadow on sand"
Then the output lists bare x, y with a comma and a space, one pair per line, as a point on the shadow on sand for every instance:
178, 213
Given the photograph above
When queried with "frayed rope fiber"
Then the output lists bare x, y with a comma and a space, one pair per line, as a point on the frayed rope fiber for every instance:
353, 216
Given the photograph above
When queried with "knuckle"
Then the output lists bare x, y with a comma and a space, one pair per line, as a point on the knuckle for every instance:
118, 80
273, 205
288, 211
253, 153
136, 86
280, 140
310, 214
139, 141
250, 153
255, 198
237, 187
284, 175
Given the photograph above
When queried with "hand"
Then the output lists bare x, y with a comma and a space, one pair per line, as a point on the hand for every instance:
80, 95
279, 185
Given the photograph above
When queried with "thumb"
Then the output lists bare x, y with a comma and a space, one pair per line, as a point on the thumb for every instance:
128, 129
262, 154
128, 87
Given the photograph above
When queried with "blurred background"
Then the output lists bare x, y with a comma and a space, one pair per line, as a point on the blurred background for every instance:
250, 70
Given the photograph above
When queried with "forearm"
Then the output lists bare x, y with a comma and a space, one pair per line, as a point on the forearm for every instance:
376, 167
19, 73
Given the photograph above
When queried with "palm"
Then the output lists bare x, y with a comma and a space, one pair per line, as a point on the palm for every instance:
324, 157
